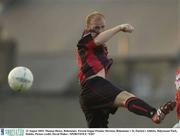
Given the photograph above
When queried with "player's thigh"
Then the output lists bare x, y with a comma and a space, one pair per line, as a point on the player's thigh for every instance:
121, 98
97, 118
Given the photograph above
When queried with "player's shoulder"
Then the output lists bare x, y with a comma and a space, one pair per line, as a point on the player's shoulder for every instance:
85, 38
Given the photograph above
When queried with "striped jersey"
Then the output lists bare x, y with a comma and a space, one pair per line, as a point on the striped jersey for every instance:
90, 57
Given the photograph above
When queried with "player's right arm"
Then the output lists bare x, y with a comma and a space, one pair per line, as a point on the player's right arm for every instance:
108, 34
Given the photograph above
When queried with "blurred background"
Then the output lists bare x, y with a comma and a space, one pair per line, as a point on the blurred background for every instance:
42, 35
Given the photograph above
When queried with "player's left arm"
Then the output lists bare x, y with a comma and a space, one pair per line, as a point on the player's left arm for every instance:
108, 34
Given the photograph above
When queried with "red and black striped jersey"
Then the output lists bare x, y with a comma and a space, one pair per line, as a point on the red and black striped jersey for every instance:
90, 57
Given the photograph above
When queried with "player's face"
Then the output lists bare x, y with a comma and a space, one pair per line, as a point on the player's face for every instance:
98, 25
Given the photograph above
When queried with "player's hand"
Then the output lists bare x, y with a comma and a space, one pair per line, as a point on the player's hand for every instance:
126, 28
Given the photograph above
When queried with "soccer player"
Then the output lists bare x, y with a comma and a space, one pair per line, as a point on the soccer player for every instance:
177, 83
99, 97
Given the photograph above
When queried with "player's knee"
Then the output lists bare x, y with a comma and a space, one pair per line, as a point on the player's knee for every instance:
121, 98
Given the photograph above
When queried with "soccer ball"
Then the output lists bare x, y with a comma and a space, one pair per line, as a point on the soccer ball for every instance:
20, 79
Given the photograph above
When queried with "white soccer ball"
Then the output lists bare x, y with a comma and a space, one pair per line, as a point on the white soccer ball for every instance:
20, 79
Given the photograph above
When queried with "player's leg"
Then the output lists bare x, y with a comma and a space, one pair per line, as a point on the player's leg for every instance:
134, 104
96, 100
140, 107
97, 118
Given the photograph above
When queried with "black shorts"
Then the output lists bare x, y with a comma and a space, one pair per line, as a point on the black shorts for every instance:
96, 99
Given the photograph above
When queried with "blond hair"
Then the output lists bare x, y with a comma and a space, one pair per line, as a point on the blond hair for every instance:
93, 16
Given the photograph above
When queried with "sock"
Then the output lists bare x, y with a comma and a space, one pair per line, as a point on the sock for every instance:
140, 107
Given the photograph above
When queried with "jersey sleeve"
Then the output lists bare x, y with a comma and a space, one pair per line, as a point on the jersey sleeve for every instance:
87, 41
